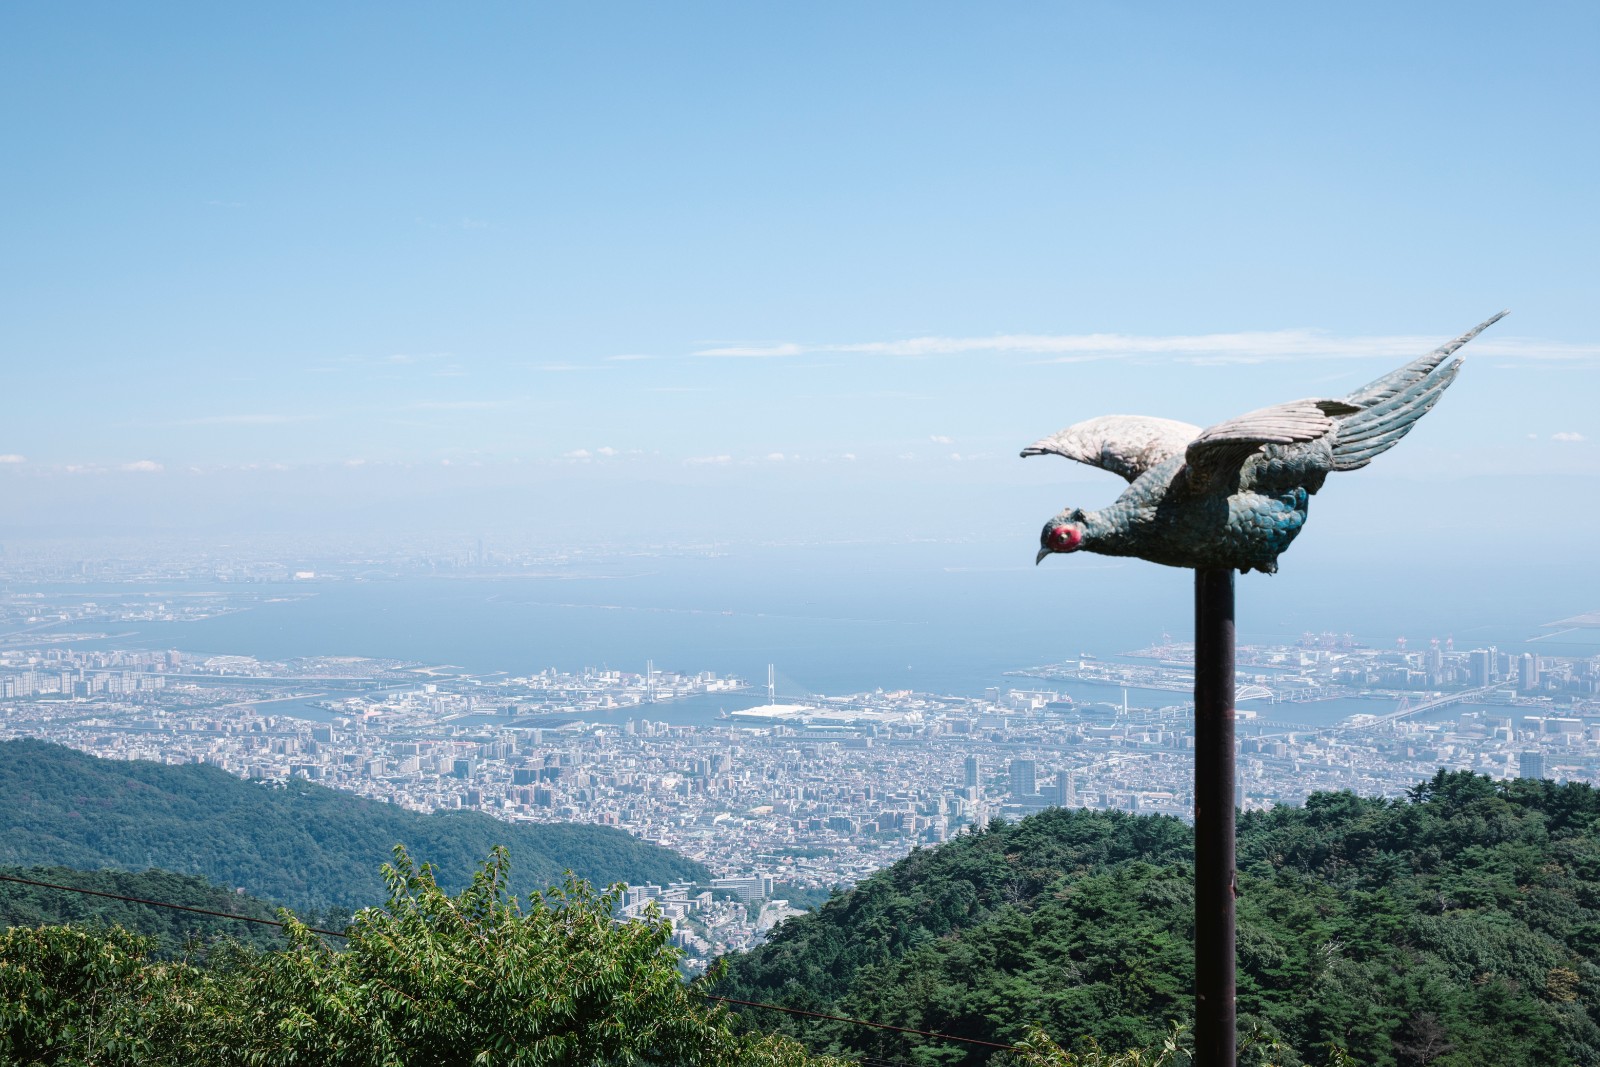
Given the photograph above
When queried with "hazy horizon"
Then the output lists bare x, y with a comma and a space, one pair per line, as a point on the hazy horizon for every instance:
635, 277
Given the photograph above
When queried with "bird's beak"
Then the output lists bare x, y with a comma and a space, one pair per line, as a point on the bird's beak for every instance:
1043, 552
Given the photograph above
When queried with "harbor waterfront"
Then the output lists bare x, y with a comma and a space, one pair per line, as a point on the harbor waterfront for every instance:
783, 790
422, 694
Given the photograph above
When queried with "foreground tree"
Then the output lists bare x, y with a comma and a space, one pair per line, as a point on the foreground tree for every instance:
474, 979
430, 980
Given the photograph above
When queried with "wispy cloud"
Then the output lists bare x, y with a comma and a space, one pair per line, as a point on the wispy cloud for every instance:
602, 452
12, 457
704, 460
769, 351
628, 357
1250, 346
607, 452
1568, 437
941, 439
144, 466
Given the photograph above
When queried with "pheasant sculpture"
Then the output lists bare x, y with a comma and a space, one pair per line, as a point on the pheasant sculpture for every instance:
1234, 495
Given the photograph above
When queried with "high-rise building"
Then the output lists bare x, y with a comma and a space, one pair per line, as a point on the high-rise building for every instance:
1060, 794
1480, 663
1530, 765
1528, 680
973, 777
757, 887
1024, 777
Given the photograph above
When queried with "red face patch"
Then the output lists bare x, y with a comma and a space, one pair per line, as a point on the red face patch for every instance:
1065, 538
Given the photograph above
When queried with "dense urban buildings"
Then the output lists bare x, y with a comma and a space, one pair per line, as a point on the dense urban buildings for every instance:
780, 799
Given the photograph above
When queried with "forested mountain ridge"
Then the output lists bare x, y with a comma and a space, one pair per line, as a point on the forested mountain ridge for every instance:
298, 843
1458, 926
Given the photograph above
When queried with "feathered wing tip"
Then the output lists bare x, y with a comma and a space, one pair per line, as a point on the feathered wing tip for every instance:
1391, 405
1377, 429
1384, 388
1128, 445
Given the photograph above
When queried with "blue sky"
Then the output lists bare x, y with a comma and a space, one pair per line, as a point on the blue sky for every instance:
809, 271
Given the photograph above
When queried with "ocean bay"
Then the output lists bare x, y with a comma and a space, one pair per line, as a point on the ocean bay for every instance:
935, 618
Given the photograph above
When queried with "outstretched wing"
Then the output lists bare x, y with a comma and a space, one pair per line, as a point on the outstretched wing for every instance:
1364, 424
1227, 444
1281, 424
1128, 445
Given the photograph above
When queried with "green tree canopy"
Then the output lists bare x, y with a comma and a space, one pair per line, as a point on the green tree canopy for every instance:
1456, 927
430, 980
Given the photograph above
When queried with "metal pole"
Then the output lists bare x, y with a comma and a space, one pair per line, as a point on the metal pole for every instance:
1215, 1030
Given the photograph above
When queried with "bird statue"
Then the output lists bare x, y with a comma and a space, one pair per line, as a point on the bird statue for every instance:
1234, 495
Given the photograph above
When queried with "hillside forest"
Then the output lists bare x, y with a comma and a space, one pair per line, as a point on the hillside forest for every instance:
296, 843
1456, 927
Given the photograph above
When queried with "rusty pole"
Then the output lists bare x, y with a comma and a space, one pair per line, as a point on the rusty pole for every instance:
1215, 1030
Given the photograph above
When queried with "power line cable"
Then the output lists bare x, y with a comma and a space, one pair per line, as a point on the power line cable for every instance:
334, 933
162, 904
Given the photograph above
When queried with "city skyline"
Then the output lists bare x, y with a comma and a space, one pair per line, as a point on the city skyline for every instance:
822, 792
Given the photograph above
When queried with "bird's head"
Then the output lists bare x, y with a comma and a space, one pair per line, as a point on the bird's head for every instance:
1064, 533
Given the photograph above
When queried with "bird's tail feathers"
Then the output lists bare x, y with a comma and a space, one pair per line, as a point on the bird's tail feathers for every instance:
1380, 427
1396, 381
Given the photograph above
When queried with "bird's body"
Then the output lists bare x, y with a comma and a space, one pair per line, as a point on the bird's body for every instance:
1157, 518
1235, 495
